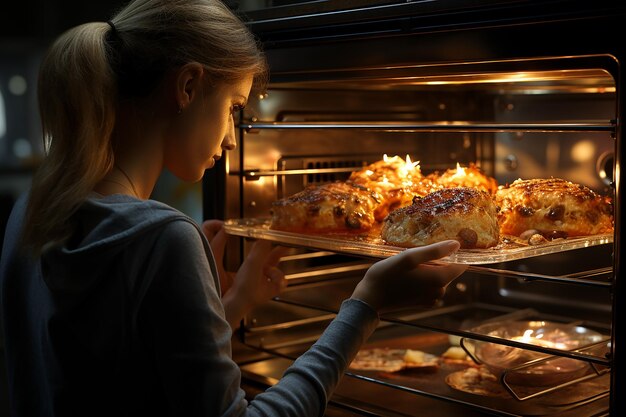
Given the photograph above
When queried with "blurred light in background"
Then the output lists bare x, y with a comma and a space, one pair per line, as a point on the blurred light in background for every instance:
3, 118
583, 151
22, 148
17, 85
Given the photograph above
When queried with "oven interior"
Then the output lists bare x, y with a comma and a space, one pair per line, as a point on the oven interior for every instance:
514, 119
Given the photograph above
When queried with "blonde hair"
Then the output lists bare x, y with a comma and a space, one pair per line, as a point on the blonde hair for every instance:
90, 67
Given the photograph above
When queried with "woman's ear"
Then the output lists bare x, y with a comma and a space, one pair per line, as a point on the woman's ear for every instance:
188, 84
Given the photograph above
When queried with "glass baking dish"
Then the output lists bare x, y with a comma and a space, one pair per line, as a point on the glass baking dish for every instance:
371, 245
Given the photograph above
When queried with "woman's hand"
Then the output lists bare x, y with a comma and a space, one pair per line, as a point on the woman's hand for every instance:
405, 280
258, 279
215, 234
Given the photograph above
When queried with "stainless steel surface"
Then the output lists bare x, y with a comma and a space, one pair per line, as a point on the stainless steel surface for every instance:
472, 90
448, 126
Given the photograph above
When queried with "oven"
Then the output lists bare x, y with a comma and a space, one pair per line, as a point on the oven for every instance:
522, 89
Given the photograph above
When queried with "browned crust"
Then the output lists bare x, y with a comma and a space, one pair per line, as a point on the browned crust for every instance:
467, 215
448, 201
553, 207
337, 206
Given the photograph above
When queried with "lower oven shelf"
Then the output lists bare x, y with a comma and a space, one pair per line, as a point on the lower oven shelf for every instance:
428, 394
353, 396
383, 390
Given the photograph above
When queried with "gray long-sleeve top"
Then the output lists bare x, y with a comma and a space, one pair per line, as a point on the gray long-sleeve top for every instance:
126, 320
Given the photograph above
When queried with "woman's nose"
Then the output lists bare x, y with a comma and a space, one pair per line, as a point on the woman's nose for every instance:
230, 142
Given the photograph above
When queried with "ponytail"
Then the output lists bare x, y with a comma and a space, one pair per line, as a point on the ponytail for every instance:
76, 95
93, 66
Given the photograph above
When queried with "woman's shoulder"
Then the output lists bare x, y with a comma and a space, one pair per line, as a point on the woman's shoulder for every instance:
131, 211
116, 219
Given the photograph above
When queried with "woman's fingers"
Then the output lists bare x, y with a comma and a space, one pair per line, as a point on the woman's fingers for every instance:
211, 228
276, 278
215, 234
276, 253
439, 274
413, 257
259, 252
218, 245
263, 253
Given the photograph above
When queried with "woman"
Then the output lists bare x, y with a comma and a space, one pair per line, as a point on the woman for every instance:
111, 301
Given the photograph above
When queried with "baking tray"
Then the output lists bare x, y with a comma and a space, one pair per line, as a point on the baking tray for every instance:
371, 245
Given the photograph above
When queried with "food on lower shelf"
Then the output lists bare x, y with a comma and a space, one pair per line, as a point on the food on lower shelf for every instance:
330, 207
464, 214
394, 360
477, 380
455, 353
419, 359
552, 208
470, 176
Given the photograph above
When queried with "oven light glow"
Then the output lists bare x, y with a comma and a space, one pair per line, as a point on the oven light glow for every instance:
503, 78
538, 340
256, 180
527, 335
583, 151
3, 123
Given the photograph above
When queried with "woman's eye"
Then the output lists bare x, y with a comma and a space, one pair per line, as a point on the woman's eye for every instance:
236, 108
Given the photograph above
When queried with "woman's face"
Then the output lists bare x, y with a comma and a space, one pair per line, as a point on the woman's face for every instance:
205, 129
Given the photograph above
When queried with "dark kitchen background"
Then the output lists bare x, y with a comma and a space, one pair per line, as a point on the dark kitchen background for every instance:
25, 33
27, 27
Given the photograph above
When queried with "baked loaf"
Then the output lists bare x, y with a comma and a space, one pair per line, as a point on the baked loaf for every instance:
395, 180
330, 207
464, 214
553, 208
470, 176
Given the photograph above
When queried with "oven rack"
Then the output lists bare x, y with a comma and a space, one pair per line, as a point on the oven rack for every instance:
597, 277
420, 321
576, 278
440, 126
516, 408
591, 406
269, 371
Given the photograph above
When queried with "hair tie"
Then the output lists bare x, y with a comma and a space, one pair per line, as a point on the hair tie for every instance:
112, 26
